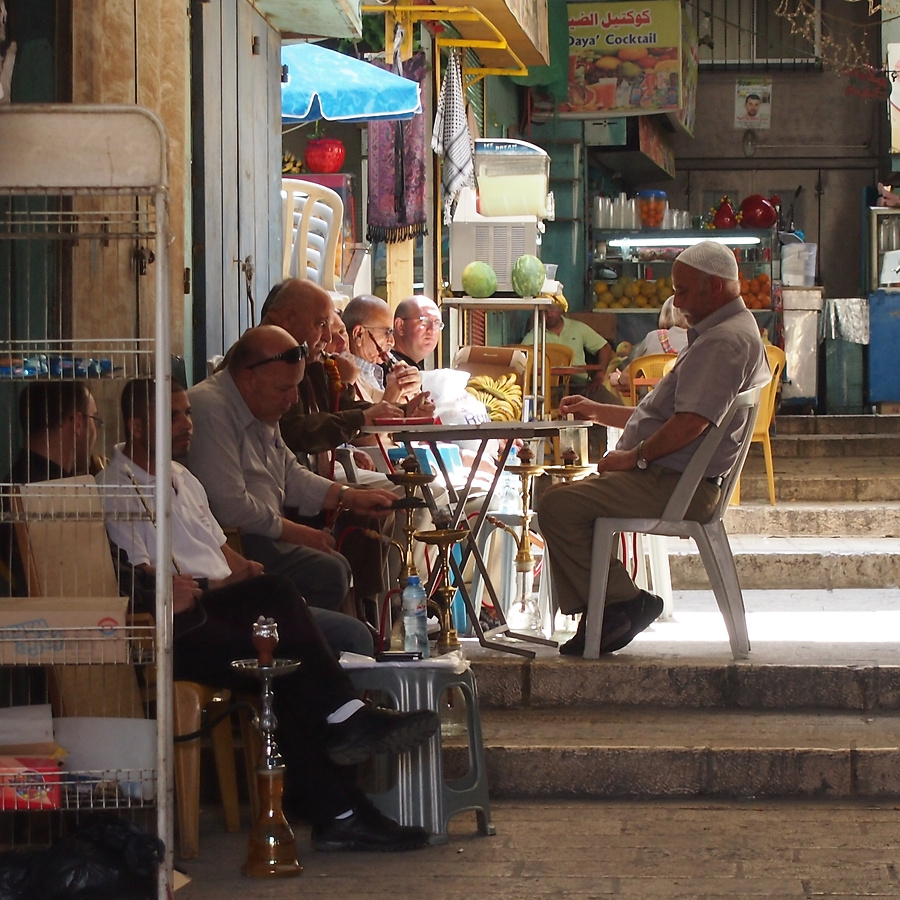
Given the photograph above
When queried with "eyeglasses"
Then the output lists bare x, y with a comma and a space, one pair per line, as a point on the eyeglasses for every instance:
294, 355
387, 332
98, 420
428, 323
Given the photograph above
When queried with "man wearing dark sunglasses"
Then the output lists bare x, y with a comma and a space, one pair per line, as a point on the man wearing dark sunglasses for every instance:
255, 482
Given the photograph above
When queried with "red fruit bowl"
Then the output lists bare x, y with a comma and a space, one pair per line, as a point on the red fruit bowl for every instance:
324, 155
757, 212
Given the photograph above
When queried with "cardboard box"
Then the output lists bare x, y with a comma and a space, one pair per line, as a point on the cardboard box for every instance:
63, 630
29, 782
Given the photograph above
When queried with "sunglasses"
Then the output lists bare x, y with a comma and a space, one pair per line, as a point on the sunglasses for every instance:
294, 355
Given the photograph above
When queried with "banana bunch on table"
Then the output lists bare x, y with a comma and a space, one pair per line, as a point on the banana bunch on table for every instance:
502, 397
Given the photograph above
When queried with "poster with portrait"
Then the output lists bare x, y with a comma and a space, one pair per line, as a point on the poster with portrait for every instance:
753, 103
624, 58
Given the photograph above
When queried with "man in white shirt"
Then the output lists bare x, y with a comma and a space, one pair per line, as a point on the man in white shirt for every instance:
323, 726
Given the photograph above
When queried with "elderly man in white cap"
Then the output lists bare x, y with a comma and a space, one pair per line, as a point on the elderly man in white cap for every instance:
724, 356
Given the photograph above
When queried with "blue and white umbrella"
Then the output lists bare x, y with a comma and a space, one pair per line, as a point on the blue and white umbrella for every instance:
324, 84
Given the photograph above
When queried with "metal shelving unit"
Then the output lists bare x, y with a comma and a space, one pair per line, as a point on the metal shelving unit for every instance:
84, 294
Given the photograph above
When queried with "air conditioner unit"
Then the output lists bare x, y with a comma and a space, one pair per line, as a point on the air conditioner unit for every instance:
496, 240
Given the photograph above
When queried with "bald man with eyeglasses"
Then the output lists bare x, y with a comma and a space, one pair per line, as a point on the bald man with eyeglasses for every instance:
417, 329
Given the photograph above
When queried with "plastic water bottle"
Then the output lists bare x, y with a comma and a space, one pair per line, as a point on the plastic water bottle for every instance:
415, 618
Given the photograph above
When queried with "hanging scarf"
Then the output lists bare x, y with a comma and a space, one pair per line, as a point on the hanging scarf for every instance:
397, 175
451, 138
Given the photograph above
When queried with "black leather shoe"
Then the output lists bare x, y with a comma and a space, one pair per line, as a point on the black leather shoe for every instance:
615, 624
373, 729
367, 830
643, 611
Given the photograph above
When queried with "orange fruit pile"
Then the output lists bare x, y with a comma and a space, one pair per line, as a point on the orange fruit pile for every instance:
757, 291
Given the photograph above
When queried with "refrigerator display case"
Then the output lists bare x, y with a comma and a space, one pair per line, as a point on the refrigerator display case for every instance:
632, 273
882, 257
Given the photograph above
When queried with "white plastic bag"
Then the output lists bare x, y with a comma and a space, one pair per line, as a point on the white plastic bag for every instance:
453, 404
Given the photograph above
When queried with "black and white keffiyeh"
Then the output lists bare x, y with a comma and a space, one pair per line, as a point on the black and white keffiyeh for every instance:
450, 138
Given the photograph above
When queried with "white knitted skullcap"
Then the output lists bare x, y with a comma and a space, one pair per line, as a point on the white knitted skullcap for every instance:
711, 257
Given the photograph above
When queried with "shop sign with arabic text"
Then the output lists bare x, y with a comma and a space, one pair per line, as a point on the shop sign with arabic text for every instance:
624, 58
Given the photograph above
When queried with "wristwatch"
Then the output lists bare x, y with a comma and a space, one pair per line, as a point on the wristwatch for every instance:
641, 462
343, 493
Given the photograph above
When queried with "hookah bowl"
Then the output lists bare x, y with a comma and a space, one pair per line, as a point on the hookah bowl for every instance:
272, 849
571, 469
442, 600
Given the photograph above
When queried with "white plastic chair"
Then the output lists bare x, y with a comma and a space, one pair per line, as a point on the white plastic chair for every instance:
711, 537
313, 226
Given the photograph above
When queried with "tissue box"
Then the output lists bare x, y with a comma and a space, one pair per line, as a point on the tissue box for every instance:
63, 630
28, 782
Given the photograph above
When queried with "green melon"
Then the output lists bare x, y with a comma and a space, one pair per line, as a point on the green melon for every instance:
479, 279
528, 276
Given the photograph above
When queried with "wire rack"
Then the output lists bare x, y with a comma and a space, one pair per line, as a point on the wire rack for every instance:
84, 303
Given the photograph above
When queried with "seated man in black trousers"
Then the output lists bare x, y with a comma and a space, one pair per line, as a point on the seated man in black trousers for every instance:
323, 726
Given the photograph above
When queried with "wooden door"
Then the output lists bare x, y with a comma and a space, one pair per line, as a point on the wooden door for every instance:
236, 138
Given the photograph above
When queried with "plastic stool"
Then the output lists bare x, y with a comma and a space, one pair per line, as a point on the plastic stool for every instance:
419, 794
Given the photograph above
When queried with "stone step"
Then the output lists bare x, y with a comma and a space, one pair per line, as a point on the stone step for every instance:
812, 446
875, 519
644, 678
765, 563
825, 480
614, 751
837, 425
656, 722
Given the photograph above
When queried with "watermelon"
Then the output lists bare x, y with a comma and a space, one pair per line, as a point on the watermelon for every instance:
479, 280
528, 276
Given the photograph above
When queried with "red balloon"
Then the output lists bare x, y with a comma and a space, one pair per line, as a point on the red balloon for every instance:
757, 212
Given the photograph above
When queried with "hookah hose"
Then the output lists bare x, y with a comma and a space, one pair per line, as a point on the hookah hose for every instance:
385, 611
208, 725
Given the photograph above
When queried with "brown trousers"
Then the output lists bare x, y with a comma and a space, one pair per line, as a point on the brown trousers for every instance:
566, 514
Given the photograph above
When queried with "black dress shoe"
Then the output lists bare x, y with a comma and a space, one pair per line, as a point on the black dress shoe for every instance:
643, 611
367, 829
372, 730
615, 624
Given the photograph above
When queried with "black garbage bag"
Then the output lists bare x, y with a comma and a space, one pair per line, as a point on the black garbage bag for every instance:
106, 859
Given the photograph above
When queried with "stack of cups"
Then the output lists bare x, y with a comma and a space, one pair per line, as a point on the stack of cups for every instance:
603, 212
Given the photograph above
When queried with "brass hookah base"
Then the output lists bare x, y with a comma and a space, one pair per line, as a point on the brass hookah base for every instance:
442, 600
272, 849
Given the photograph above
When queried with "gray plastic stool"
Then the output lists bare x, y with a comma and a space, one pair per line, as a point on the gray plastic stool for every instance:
419, 794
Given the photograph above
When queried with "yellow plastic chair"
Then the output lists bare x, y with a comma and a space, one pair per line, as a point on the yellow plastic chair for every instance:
646, 372
764, 420
555, 356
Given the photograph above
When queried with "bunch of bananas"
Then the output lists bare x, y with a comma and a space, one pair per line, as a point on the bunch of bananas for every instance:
290, 165
502, 397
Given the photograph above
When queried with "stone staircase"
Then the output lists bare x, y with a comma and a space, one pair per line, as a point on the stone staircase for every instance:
797, 719
837, 520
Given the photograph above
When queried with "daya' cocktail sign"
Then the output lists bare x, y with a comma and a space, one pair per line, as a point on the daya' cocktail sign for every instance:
624, 59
